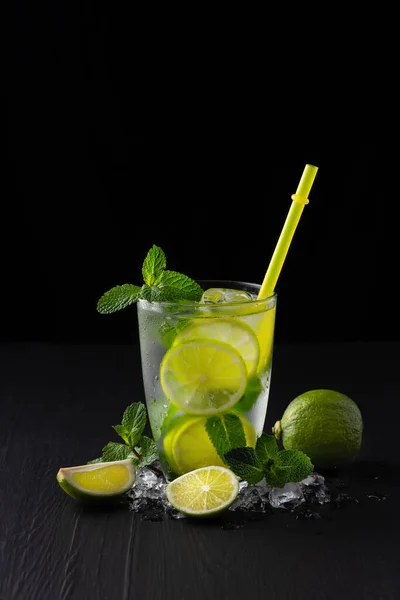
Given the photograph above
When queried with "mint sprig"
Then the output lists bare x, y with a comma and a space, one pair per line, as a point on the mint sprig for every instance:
140, 448
133, 424
265, 461
160, 285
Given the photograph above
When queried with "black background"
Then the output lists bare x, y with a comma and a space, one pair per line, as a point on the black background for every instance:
87, 190
77, 225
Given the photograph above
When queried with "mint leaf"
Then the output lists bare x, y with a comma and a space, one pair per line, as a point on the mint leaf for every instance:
234, 430
266, 448
253, 389
274, 475
244, 463
151, 294
134, 422
153, 266
225, 432
95, 460
113, 451
289, 465
175, 286
148, 451
122, 432
297, 464
217, 434
118, 297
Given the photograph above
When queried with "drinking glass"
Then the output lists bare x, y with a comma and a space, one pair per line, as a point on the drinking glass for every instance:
205, 364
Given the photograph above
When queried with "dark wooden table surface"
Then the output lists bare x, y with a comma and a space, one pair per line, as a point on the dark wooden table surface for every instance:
58, 403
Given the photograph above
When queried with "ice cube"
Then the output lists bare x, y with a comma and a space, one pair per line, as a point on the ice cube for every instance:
314, 488
157, 492
145, 481
147, 496
290, 496
222, 295
252, 498
313, 479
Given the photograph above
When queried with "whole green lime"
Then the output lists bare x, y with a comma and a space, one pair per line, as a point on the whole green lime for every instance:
324, 424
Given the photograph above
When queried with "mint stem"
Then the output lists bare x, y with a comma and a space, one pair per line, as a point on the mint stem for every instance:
152, 467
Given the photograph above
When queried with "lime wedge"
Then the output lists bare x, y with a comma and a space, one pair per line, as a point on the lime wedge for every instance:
187, 445
230, 331
203, 492
203, 376
98, 480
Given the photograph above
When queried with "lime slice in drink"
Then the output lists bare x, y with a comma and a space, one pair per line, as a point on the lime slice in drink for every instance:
203, 376
99, 480
231, 331
187, 445
263, 326
203, 492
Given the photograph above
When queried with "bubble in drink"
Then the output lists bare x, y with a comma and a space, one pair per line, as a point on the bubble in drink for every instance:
220, 295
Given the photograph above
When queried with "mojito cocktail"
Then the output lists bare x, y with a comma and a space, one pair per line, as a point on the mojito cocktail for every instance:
206, 365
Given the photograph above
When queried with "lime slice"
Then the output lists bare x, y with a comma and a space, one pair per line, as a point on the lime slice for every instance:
203, 492
187, 445
263, 326
203, 377
98, 480
231, 331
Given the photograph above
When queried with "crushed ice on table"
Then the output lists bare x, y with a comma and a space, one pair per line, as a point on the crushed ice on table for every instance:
257, 498
147, 496
311, 498
219, 295
377, 496
252, 498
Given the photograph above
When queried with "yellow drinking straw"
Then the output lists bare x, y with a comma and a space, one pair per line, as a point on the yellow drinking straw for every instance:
300, 199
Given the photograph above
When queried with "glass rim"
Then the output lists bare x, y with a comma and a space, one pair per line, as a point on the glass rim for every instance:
216, 307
